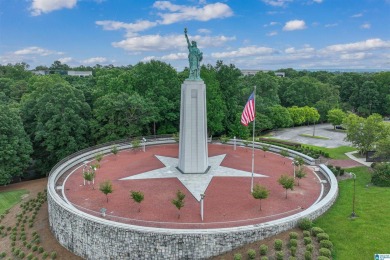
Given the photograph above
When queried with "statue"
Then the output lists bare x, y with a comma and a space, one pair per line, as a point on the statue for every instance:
195, 56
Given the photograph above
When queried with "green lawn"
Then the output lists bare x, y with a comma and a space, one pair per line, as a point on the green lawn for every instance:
9, 199
334, 153
315, 136
366, 235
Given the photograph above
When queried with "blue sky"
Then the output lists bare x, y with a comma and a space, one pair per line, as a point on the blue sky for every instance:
252, 34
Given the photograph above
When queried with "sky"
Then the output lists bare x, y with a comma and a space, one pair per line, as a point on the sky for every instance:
251, 34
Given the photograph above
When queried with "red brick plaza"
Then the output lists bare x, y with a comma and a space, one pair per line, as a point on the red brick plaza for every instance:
228, 202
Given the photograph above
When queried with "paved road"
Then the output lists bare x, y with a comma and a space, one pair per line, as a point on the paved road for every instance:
336, 138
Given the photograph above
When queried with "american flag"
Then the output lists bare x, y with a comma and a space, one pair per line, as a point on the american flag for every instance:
248, 115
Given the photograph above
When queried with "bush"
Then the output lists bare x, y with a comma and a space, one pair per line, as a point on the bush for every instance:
279, 255
322, 236
293, 235
3, 254
251, 254
278, 244
309, 248
53, 255
21, 255
293, 243
45, 255
293, 250
325, 252
263, 249
29, 246
264, 258
326, 244
34, 248
40, 249
292, 258
381, 175
307, 255
307, 240
306, 233
30, 256
305, 224
237, 256
316, 230
321, 257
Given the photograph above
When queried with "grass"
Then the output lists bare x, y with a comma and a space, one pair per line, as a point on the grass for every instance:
334, 153
366, 235
315, 136
9, 199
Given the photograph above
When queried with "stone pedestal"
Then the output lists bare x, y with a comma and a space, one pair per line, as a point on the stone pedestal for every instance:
193, 154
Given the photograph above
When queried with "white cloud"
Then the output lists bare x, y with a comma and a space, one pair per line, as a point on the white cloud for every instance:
317, 1
271, 24
294, 25
331, 25
95, 60
175, 56
365, 26
244, 52
204, 31
39, 7
272, 33
149, 58
178, 13
66, 60
280, 3
357, 15
169, 42
305, 50
131, 28
354, 56
370, 44
36, 51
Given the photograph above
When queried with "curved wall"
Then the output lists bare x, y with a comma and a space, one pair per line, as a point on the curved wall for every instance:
96, 238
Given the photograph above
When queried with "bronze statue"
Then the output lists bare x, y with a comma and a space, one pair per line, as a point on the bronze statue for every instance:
195, 56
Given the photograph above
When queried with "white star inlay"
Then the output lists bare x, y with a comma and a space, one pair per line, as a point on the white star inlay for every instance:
195, 183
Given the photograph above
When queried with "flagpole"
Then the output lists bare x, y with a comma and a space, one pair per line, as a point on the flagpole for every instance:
253, 138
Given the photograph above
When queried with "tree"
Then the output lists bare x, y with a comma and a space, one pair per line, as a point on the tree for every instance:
90, 176
284, 153
138, 197
265, 149
286, 182
300, 174
135, 144
280, 116
260, 193
55, 116
336, 116
179, 201
364, 133
106, 188
297, 115
114, 150
15, 146
312, 116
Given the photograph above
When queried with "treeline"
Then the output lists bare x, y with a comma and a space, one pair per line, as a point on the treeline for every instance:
45, 118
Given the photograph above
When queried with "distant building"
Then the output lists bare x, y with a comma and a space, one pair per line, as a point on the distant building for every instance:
253, 72
63, 72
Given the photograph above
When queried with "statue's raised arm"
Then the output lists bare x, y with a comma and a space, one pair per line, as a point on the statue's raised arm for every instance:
194, 58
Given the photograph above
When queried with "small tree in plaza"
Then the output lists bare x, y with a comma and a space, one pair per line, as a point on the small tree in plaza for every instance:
179, 200
89, 176
106, 188
114, 150
260, 192
286, 182
300, 174
99, 157
135, 144
138, 197
265, 148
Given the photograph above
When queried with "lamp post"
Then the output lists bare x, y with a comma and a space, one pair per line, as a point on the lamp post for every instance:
293, 164
234, 143
201, 205
143, 142
353, 214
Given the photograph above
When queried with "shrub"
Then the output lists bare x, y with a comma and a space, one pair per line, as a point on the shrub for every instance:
322, 236
309, 248
279, 255
381, 175
251, 254
326, 244
45, 255
237, 256
13, 243
263, 249
53, 255
21, 255
316, 230
307, 240
264, 258
3, 254
293, 235
307, 255
29, 246
305, 224
278, 244
293, 250
34, 248
292, 258
16, 252
325, 252
321, 257
30, 256
293, 243
40, 249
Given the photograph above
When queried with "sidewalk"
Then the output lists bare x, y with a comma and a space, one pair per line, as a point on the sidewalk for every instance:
360, 160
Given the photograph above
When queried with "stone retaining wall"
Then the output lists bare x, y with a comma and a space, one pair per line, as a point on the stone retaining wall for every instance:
95, 238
